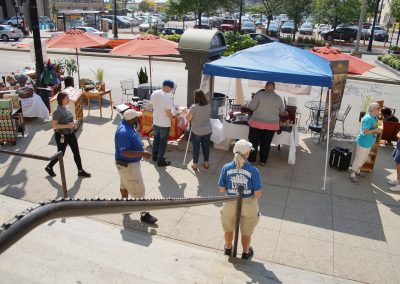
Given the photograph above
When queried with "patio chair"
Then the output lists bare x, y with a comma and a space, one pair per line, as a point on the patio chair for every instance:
128, 88
342, 117
390, 130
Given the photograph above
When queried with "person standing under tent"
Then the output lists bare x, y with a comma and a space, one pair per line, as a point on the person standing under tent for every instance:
266, 106
365, 140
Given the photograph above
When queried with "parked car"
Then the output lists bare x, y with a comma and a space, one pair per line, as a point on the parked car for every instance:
93, 31
249, 27
121, 22
155, 24
14, 20
323, 28
172, 31
228, 25
216, 21
343, 33
287, 27
8, 32
306, 29
261, 38
205, 23
273, 29
381, 35
134, 22
376, 28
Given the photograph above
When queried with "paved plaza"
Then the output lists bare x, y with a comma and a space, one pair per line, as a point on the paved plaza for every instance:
306, 234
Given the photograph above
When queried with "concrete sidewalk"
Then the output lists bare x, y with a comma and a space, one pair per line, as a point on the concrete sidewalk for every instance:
344, 231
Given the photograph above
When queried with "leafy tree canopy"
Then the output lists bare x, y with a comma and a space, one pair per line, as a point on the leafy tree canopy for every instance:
336, 11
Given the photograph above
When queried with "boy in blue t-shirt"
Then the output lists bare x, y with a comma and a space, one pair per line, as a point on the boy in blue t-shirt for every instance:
365, 140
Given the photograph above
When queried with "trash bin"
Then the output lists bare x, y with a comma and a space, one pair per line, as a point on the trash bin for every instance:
217, 106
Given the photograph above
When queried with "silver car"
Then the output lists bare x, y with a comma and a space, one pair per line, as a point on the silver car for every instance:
306, 29
249, 27
8, 32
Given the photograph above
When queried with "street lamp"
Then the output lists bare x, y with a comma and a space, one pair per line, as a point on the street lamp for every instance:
115, 20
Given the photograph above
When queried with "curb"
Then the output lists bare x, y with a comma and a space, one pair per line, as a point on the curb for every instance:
99, 54
387, 67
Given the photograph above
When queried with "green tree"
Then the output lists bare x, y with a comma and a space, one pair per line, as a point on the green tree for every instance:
178, 8
54, 9
395, 12
296, 10
272, 7
123, 4
336, 11
144, 5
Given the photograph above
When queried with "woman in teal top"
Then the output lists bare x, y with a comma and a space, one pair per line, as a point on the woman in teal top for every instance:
365, 140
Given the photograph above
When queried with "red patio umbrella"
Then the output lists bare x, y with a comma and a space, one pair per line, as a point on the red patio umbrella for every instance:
356, 65
75, 38
148, 45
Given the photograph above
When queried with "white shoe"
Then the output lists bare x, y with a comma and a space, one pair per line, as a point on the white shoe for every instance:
395, 188
393, 182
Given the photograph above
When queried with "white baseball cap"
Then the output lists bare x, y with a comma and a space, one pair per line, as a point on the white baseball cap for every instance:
242, 146
131, 114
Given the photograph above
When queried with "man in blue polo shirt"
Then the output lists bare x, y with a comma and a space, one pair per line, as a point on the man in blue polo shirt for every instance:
128, 154
368, 131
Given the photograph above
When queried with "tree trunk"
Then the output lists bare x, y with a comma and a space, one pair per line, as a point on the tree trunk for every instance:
397, 41
200, 13
268, 22
294, 31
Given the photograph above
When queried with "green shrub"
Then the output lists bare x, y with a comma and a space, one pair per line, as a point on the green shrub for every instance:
306, 40
380, 57
319, 42
391, 60
300, 39
236, 42
153, 32
174, 37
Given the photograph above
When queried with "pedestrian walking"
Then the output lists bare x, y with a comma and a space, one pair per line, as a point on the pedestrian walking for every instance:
199, 117
237, 173
64, 127
266, 106
129, 153
396, 158
368, 131
162, 104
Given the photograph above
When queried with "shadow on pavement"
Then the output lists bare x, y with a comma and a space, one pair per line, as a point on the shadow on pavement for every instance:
130, 228
255, 270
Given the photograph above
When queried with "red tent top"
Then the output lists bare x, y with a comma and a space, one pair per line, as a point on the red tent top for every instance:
147, 45
356, 65
75, 38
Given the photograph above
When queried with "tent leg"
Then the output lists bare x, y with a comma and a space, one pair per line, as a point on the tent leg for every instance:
151, 79
327, 139
77, 63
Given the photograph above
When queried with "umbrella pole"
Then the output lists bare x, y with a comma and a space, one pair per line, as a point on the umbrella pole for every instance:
151, 79
77, 63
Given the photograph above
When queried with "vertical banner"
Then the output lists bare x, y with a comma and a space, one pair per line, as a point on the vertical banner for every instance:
340, 71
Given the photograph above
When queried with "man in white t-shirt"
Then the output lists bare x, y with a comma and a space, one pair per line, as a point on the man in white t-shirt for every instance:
162, 103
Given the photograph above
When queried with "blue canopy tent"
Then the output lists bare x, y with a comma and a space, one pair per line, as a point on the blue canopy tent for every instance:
276, 62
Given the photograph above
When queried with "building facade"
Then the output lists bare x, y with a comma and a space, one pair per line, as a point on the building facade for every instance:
79, 4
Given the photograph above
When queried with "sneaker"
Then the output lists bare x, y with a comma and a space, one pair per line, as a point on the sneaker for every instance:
82, 173
227, 251
163, 163
249, 254
146, 217
354, 179
50, 171
393, 182
395, 188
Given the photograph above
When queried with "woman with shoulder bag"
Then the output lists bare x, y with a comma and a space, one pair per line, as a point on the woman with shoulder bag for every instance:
64, 126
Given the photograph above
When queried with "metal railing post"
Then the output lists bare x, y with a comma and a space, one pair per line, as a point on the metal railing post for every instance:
238, 213
60, 156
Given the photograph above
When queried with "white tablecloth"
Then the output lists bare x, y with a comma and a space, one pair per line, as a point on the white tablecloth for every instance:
240, 131
34, 107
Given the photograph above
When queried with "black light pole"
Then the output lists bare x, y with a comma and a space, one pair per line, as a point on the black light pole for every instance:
115, 20
240, 15
371, 39
36, 40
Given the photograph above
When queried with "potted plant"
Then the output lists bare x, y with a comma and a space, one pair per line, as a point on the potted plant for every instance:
99, 74
59, 66
71, 67
142, 76
366, 100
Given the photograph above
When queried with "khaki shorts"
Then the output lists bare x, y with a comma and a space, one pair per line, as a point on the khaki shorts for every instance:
248, 219
131, 179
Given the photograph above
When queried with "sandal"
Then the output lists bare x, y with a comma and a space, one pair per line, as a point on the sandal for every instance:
206, 166
194, 167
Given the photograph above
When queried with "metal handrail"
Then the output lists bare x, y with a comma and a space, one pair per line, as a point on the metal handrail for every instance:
23, 223
59, 156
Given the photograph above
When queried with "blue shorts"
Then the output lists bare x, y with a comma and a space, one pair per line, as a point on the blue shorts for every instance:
396, 153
